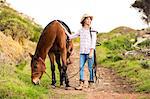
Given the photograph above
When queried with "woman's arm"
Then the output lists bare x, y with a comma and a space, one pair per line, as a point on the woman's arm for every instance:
72, 36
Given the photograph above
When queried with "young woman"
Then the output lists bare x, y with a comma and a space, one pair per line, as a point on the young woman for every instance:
87, 46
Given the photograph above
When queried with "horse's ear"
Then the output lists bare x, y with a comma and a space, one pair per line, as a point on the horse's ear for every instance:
31, 55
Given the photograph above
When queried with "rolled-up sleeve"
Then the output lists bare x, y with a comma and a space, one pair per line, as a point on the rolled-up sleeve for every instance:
94, 37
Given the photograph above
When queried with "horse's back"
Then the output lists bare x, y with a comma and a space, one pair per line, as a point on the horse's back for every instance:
51, 34
53, 29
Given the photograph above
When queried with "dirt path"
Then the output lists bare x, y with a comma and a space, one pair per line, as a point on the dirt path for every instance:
109, 85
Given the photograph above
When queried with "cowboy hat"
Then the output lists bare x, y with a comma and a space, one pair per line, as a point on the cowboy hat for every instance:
85, 16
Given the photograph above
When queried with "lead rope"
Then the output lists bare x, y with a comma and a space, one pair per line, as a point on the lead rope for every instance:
68, 78
75, 73
47, 74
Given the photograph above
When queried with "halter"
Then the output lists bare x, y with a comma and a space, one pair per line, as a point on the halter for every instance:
35, 67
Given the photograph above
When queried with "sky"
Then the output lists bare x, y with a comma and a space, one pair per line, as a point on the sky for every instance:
107, 14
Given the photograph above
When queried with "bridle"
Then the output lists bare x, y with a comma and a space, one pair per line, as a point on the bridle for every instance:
41, 71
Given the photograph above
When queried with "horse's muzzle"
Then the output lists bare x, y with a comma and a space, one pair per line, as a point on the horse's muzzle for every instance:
36, 81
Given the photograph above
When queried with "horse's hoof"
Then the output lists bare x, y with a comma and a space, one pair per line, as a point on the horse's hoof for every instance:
67, 85
53, 86
68, 88
61, 86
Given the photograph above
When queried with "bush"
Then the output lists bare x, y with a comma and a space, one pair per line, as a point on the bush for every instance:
145, 44
145, 64
111, 55
15, 28
112, 58
18, 26
120, 43
21, 65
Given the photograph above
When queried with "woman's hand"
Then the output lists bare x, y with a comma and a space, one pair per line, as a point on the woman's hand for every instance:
91, 53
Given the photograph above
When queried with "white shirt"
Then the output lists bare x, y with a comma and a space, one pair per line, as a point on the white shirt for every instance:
87, 40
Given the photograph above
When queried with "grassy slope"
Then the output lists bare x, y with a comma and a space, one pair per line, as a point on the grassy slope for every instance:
15, 79
17, 25
17, 84
111, 55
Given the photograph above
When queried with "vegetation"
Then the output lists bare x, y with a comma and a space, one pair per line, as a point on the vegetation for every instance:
19, 85
18, 26
112, 54
143, 6
16, 84
145, 44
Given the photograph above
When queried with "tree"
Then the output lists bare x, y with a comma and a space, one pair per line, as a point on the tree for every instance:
144, 7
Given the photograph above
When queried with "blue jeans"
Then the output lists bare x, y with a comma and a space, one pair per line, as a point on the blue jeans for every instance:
83, 59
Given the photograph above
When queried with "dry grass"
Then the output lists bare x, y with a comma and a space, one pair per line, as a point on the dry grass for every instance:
12, 51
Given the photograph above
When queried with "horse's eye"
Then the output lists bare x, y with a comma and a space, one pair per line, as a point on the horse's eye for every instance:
35, 65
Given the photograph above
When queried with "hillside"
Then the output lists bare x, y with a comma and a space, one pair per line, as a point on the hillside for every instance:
17, 25
12, 51
117, 51
18, 37
17, 30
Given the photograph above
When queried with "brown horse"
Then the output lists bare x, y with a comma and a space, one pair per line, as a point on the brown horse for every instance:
54, 54
52, 42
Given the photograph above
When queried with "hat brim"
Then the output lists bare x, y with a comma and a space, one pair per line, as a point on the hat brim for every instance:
91, 17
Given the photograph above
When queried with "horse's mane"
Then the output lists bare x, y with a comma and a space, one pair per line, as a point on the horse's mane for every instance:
48, 25
65, 25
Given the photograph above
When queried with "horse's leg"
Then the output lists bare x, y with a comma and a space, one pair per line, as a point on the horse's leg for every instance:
57, 56
51, 57
64, 66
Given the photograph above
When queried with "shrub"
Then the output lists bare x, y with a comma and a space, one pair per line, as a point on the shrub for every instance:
113, 58
145, 44
145, 64
18, 26
21, 65
120, 43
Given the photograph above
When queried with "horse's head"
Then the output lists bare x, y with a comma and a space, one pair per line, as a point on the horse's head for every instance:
69, 48
37, 69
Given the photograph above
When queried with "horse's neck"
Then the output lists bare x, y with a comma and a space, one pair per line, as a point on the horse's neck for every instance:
41, 51
39, 54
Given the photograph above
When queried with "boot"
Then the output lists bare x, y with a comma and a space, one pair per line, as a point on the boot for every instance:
91, 84
80, 86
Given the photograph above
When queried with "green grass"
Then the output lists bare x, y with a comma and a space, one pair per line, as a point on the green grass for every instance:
110, 55
16, 88
145, 44
18, 84
17, 26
